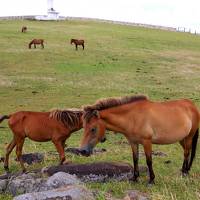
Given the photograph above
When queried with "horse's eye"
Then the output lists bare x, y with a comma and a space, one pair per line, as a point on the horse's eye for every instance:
93, 130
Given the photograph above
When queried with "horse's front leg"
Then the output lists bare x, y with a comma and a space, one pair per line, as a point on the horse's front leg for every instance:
135, 152
19, 143
59, 144
147, 144
76, 47
35, 46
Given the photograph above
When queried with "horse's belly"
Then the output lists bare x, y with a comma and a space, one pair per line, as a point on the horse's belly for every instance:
169, 137
39, 134
39, 137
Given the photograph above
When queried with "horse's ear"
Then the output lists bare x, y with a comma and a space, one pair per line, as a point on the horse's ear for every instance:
96, 113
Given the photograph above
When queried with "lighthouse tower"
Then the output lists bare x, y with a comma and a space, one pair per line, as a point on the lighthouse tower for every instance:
51, 13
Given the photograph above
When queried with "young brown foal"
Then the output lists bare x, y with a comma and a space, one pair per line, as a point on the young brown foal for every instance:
36, 41
78, 42
56, 126
24, 29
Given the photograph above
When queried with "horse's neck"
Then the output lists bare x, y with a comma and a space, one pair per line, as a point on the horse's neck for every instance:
79, 125
113, 120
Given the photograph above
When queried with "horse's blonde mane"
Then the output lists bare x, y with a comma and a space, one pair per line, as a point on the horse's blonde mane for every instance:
69, 117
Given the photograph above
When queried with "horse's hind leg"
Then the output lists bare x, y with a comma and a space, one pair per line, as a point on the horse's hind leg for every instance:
135, 151
42, 45
20, 142
186, 144
148, 152
63, 144
35, 46
9, 149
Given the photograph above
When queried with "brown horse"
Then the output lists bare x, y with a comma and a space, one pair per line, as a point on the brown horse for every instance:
36, 41
56, 126
24, 29
78, 42
143, 122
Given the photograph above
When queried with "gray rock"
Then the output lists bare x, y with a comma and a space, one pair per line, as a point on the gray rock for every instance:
136, 195
72, 192
61, 179
3, 185
27, 183
24, 183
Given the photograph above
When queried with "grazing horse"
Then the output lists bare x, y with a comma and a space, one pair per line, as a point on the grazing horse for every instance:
144, 122
78, 42
36, 41
56, 126
24, 29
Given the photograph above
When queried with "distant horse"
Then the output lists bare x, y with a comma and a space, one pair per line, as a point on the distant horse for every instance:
143, 122
56, 126
36, 41
78, 42
24, 29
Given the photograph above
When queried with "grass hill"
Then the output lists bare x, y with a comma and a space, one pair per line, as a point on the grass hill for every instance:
117, 61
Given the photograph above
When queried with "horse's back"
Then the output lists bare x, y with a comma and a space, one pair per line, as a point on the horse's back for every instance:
19, 120
77, 41
172, 121
38, 126
37, 41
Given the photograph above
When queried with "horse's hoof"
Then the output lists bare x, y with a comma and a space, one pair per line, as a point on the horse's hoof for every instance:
23, 170
185, 174
151, 183
134, 179
66, 162
6, 168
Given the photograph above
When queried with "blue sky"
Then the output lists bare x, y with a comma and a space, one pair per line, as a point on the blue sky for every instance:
174, 13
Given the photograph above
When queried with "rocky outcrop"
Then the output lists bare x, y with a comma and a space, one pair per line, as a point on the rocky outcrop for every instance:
35, 182
64, 181
72, 192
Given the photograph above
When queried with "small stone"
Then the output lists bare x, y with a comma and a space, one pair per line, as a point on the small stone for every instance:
3, 185
136, 195
62, 179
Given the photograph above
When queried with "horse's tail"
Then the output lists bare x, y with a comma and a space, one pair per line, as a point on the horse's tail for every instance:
194, 146
4, 117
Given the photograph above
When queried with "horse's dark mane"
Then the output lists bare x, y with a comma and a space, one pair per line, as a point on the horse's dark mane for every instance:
70, 117
109, 103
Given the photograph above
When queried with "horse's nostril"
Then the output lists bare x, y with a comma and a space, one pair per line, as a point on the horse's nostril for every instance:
103, 140
85, 152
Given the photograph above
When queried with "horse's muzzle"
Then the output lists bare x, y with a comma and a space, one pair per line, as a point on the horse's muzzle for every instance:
103, 140
86, 151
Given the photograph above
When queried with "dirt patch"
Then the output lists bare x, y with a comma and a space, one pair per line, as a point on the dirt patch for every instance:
98, 171
29, 158
77, 150
155, 153
5, 82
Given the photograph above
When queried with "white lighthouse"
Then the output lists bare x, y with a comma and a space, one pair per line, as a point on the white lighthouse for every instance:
52, 14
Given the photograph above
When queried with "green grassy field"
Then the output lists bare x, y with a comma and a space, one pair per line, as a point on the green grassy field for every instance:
117, 61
